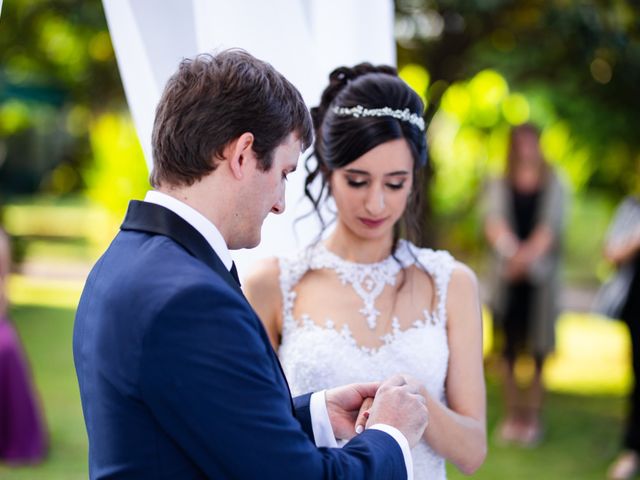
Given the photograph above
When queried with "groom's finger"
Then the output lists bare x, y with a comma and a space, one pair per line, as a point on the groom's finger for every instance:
363, 414
395, 381
367, 389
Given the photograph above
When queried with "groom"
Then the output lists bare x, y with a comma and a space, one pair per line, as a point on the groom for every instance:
177, 376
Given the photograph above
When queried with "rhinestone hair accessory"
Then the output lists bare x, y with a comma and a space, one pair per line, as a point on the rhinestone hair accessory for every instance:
359, 111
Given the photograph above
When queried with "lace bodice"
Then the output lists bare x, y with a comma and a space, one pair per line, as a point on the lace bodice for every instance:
319, 355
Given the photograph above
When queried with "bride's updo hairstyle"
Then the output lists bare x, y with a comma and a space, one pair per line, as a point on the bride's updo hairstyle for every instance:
342, 134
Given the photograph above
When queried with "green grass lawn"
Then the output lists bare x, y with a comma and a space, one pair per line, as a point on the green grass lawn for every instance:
582, 429
582, 437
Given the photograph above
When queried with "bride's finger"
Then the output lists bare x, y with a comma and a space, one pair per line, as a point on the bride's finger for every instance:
363, 414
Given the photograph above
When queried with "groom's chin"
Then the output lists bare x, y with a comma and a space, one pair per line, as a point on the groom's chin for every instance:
251, 241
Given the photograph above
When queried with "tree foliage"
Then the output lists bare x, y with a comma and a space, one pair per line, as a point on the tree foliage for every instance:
57, 76
575, 62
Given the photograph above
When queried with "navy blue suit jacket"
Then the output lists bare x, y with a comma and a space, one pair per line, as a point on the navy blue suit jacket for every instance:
178, 379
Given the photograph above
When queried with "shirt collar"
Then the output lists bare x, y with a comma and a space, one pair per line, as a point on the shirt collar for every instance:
198, 221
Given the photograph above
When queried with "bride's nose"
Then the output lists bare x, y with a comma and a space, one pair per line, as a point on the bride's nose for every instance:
374, 203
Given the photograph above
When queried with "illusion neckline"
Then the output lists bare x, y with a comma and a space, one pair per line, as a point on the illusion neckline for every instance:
401, 250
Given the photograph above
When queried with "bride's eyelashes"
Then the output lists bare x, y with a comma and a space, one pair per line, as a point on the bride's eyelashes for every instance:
395, 186
363, 183
356, 183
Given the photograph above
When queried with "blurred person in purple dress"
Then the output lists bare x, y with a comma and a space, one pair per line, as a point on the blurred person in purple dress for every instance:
22, 430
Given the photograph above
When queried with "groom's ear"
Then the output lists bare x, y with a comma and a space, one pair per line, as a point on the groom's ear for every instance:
239, 154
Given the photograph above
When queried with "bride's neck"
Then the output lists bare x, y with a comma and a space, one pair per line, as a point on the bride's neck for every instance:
356, 249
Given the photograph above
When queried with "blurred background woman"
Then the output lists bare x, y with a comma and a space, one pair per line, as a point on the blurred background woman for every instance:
22, 430
523, 225
622, 248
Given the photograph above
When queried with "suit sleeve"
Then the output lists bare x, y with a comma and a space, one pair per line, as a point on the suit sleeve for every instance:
208, 379
303, 414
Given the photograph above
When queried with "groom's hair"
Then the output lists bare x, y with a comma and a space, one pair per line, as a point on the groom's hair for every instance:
213, 99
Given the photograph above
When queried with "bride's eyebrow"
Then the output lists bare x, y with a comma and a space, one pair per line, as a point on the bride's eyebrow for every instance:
398, 173
355, 171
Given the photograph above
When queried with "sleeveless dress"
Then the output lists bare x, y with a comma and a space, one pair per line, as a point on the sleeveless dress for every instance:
319, 356
23, 436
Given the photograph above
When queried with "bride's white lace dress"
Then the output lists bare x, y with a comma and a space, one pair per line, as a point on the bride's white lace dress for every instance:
317, 356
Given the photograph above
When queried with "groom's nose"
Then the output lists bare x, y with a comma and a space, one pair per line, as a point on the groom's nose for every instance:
279, 206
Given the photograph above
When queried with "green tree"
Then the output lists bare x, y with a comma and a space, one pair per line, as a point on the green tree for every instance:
57, 77
580, 62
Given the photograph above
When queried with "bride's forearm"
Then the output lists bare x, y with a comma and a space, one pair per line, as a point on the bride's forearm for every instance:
460, 439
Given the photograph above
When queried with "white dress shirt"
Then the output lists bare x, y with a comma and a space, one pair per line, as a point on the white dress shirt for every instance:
198, 221
321, 425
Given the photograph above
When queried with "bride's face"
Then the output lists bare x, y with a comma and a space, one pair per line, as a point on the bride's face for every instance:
371, 192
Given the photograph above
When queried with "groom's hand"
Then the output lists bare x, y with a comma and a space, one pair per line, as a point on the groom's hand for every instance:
400, 403
344, 407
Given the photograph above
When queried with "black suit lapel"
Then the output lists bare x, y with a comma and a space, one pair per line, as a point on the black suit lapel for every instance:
152, 218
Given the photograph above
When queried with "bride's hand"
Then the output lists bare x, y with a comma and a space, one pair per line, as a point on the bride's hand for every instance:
363, 414
347, 405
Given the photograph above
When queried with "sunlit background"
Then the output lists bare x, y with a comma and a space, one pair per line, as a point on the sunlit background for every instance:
70, 160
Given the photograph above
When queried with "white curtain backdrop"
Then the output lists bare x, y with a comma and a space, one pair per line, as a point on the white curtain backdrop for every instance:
303, 39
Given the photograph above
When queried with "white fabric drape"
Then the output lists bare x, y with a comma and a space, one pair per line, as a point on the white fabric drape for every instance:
303, 39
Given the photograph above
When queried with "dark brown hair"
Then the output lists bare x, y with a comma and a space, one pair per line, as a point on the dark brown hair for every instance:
342, 139
212, 100
515, 136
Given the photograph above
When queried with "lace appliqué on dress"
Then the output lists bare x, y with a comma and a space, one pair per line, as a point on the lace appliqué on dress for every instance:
368, 280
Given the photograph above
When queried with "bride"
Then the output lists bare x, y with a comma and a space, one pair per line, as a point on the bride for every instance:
364, 304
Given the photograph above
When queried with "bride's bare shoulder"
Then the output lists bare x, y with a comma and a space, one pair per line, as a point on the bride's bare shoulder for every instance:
463, 295
462, 277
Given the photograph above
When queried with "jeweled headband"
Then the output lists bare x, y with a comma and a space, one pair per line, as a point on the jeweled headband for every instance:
359, 111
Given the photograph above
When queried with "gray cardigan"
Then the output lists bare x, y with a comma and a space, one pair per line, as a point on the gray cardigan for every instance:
543, 274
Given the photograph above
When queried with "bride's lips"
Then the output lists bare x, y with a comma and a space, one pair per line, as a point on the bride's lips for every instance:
372, 223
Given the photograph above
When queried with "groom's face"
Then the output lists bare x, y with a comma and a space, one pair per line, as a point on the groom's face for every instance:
265, 191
